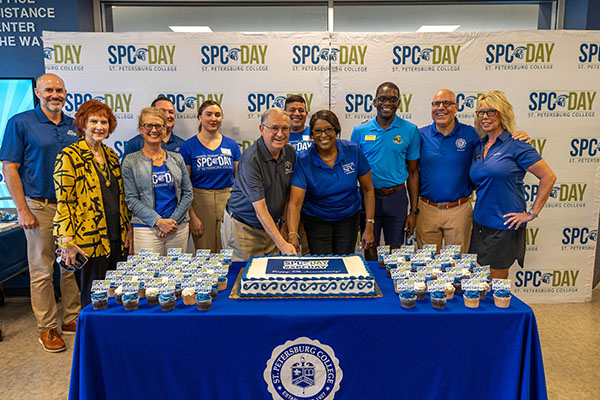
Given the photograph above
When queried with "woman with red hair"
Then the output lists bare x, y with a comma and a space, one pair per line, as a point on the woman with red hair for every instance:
91, 216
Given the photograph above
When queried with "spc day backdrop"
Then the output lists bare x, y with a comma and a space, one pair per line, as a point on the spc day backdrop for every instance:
550, 77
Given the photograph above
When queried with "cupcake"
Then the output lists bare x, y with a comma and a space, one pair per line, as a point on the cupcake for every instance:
222, 283
152, 296
130, 301
142, 290
407, 298
167, 301
471, 298
457, 284
111, 291
214, 290
438, 299
119, 295
99, 300
189, 296
389, 268
420, 290
483, 289
204, 301
178, 291
502, 298
449, 290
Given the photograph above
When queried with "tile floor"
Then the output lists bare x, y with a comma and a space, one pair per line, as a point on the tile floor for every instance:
570, 337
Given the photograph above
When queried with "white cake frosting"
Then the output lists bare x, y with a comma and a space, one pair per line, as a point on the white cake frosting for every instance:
314, 276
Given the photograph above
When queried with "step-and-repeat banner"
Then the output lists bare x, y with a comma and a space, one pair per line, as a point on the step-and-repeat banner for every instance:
550, 77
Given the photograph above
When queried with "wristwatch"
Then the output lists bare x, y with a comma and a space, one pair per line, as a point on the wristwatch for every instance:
415, 211
532, 213
371, 220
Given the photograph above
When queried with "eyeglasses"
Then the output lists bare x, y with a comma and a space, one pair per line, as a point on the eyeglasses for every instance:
149, 127
326, 131
392, 100
490, 113
275, 129
445, 103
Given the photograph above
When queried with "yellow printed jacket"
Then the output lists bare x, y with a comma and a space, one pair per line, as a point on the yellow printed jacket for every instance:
80, 208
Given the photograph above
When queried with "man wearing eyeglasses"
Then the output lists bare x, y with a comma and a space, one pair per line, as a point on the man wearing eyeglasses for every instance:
260, 192
171, 141
391, 145
447, 146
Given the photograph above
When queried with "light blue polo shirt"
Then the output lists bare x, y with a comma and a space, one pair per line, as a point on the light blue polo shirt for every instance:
387, 151
445, 162
300, 141
499, 179
34, 141
331, 194
211, 169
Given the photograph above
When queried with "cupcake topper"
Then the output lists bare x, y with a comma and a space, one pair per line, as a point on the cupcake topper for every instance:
100, 285
501, 284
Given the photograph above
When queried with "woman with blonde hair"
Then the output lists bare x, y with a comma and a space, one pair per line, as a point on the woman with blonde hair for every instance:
497, 170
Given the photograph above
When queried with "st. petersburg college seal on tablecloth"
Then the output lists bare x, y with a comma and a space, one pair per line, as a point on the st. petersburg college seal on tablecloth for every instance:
303, 369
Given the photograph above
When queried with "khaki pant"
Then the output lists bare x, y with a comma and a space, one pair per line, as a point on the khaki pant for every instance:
447, 227
209, 206
146, 238
41, 255
247, 241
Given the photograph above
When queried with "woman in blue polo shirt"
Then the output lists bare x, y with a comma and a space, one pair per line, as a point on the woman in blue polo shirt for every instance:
324, 187
211, 159
497, 170
158, 190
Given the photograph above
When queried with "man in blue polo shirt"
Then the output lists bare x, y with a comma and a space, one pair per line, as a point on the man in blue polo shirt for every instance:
171, 141
295, 107
391, 145
447, 148
31, 143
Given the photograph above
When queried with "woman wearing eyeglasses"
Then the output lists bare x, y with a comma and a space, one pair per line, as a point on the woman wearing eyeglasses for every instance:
497, 171
158, 190
324, 189
211, 159
91, 218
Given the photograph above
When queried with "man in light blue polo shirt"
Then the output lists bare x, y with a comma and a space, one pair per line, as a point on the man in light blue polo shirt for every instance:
31, 143
447, 147
391, 145
171, 141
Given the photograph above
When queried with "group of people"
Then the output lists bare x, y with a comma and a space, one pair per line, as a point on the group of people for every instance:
297, 190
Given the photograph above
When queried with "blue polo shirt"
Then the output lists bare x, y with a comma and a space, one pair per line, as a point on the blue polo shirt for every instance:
34, 141
499, 179
387, 150
331, 194
136, 143
445, 162
211, 169
300, 141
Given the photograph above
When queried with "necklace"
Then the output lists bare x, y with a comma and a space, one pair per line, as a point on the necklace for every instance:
330, 158
103, 168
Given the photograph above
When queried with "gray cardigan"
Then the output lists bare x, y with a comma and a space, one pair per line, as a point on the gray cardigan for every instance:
139, 192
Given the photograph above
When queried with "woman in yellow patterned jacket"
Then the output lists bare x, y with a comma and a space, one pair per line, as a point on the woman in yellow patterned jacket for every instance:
91, 216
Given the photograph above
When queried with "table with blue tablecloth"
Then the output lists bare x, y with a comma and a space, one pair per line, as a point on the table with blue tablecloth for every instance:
383, 351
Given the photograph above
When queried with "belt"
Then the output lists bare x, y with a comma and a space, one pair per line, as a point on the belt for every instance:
389, 190
446, 205
237, 218
43, 200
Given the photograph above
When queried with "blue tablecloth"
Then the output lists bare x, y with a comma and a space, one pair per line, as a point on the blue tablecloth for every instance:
384, 351
13, 251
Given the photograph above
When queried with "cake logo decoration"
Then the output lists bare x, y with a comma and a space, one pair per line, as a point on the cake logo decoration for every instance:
304, 369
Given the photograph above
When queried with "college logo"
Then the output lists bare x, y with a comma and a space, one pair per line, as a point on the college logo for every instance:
186, 104
360, 106
589, 56
259, 102
141, 57
563, 195
63, 57
289, 168
561, 104
546, 281
119, 103
316, 58
349, 168
531, 235
578, 238
429, 57
539, 144
466, 103
584, 150
303, 369
234, 57
460, 143
519, 56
